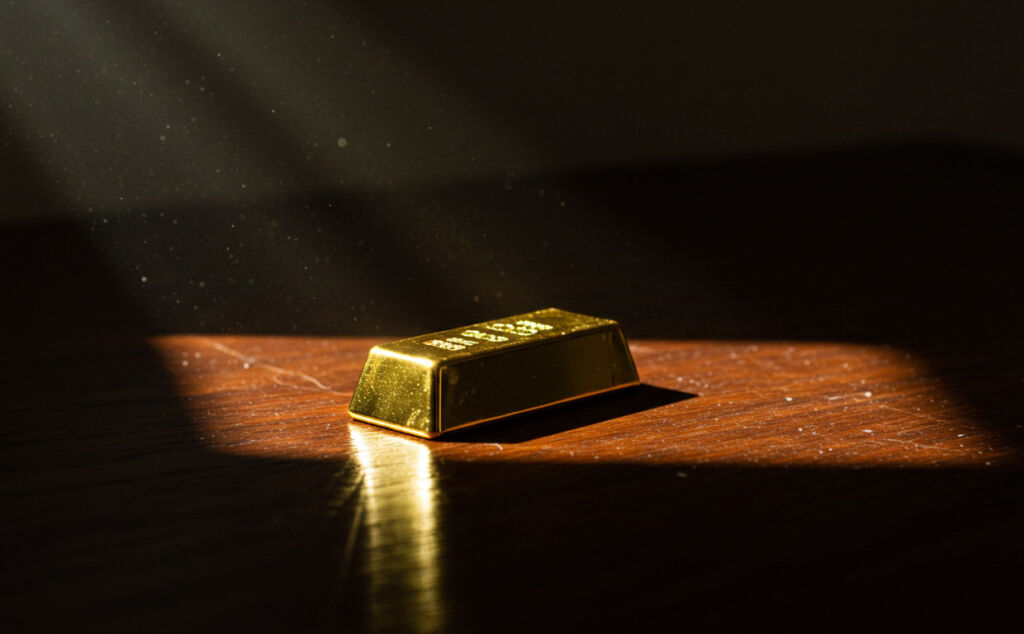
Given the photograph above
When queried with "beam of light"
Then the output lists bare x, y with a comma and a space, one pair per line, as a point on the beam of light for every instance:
400, 524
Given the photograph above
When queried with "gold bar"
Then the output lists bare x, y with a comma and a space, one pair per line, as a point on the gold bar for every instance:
432, 384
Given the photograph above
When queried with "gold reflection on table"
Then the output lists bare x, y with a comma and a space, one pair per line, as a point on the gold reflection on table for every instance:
399, 498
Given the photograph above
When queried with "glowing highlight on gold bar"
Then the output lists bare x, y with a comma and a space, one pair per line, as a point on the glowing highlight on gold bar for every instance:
432, 384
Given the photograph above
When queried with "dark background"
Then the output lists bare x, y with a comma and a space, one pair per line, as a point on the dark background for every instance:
849, 170
841, 171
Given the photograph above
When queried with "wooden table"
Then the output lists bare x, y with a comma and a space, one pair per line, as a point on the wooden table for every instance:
215, 482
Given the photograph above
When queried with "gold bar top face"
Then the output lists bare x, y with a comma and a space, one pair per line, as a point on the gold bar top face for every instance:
432, 384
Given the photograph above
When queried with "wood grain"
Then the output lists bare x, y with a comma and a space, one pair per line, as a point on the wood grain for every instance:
216, 482
768, 403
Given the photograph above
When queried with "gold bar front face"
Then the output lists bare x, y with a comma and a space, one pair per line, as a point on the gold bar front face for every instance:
432, 384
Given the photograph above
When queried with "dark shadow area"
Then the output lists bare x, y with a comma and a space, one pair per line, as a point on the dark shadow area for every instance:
904, 245
571, 415
61, 288
117, 517
598, 80
27, 192
732, 548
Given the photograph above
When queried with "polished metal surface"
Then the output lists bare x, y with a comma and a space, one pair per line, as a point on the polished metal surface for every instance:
439, 382
398, 497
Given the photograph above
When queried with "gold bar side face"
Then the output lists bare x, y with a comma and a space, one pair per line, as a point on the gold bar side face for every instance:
398, 391
496, 386
431, 384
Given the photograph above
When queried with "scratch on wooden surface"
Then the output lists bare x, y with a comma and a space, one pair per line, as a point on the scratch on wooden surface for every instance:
917, 414
278, 371
919, 445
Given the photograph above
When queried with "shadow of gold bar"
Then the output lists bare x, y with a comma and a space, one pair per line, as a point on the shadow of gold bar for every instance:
433, 384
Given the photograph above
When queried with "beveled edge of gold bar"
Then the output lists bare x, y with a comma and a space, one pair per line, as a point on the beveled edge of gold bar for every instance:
449, 346
387, 352
593, 325
392, 426
432, 435
538, 408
